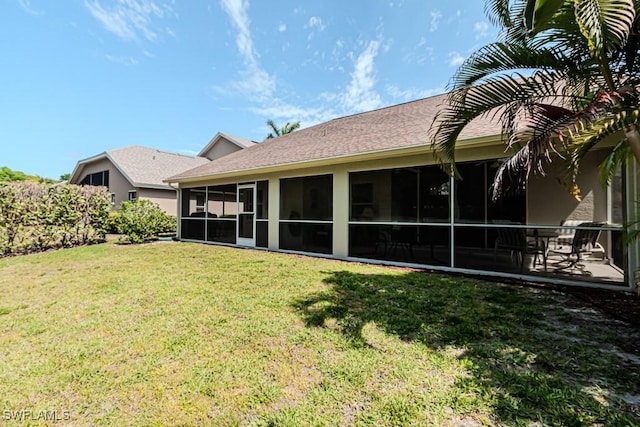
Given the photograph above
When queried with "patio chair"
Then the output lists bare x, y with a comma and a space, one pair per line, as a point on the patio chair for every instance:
515, 240
584, 242
565, 235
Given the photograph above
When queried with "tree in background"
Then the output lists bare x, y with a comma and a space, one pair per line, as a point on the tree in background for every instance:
65, 177
276, 131
9, 175
563, 77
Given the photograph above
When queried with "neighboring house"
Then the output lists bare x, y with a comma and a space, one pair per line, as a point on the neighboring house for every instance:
367, 187
137, 172
223, 144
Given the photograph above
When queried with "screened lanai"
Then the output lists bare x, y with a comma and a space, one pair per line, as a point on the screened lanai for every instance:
418, 215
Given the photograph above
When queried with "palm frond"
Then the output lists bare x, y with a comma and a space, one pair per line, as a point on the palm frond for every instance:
616, 158
498, 12
289, 127
605, 24
556, 130
274, 129
500, 57
538, 13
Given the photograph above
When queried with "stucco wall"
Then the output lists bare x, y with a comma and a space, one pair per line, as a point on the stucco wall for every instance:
166, 199
549, 203
118, 184
220, 149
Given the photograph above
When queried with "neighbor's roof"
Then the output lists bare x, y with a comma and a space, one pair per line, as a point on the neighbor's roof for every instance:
143, 166
237, 140
396, 127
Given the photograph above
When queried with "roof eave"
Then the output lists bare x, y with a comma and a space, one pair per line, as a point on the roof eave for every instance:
80, 164
152, 186
349, 158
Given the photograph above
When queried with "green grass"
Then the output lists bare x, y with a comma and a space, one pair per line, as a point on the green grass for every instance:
188, 334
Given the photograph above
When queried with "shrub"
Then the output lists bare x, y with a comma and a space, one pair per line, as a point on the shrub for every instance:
142, 220
39, 216
113, 222
168, 224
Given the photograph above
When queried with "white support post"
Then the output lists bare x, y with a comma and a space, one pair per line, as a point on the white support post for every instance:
274, 213
341, 214
633, 211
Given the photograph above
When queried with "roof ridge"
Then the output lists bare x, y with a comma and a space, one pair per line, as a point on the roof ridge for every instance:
154, 149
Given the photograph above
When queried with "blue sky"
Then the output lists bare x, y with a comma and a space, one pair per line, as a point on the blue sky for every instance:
83, 76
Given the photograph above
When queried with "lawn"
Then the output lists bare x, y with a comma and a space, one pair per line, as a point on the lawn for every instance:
190, 334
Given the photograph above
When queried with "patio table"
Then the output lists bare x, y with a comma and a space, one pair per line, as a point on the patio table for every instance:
542, 235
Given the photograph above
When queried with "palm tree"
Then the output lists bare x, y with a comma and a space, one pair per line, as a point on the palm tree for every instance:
276, 131
563, 77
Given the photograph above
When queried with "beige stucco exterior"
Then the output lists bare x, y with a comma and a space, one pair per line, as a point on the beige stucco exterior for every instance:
546, 192
118, 184
222, 147
166, 199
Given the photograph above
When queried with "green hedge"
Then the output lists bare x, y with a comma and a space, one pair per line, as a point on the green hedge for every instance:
35, 217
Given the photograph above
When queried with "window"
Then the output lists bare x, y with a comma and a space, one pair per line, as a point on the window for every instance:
200, 203
97, 179
133, 195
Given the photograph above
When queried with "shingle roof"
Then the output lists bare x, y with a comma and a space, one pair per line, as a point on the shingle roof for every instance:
146, 167
394, 127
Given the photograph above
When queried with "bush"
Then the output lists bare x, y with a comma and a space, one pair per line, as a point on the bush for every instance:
37, 216
113, 222
142, 220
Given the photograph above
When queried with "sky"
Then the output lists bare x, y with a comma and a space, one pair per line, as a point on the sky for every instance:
80, 77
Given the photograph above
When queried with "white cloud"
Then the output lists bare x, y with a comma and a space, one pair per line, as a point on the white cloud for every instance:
455, 59
410, 94
316, 26
282, 28
420, 54
124, 60
360, 94
436, 16
281, 111
397, 4
26, 6
315, 22
255, 81
481, 29
129, 19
